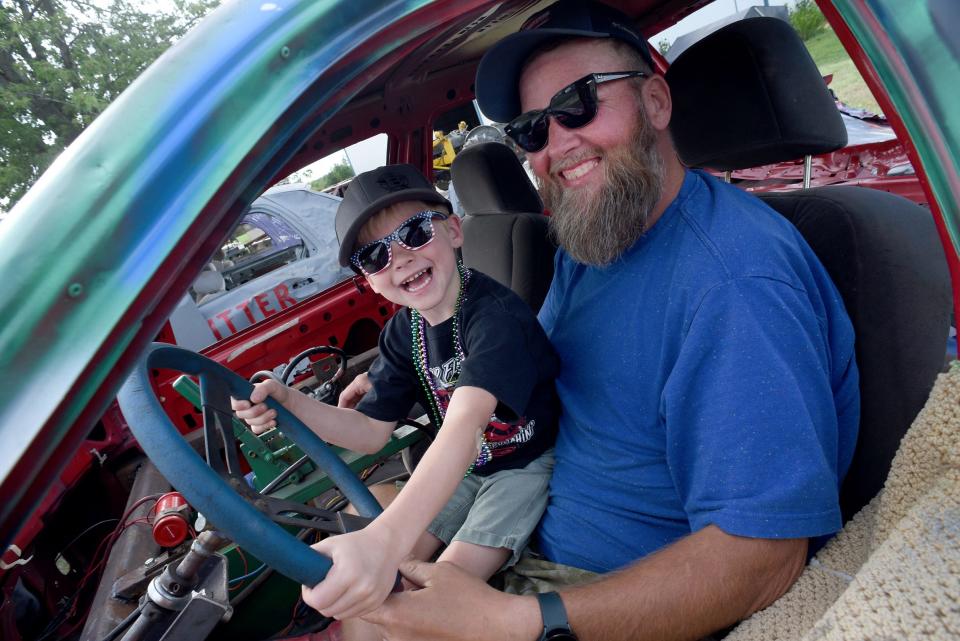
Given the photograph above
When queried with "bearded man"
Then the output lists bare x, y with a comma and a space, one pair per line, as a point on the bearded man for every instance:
709, 389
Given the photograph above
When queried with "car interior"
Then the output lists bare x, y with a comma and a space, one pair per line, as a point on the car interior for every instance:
746, 95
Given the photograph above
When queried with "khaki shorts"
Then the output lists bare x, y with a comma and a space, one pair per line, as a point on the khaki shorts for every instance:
497, 511
533, 574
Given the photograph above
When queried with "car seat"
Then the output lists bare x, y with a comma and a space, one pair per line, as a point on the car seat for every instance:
504, 228
749, 94
209, 284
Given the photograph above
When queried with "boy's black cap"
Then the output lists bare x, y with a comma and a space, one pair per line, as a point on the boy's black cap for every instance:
373, 190
498, 76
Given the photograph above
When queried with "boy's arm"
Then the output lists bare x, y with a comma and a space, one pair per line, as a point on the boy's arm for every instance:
337, 425
442, 467
368, 559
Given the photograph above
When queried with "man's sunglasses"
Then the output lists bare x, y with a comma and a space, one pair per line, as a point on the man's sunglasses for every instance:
573, 106
413, 233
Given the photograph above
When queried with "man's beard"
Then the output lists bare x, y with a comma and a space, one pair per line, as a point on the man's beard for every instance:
597, 226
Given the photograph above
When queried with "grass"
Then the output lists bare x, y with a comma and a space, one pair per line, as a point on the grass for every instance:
832, 58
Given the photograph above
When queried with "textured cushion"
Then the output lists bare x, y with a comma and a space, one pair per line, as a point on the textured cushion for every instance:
893, 572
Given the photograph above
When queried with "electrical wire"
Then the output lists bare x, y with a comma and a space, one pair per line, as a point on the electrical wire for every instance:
365, 474
77, 537
301, 611
334, 504
257, 582
251, 587
248, 575
246, 568
102, 553
293, 617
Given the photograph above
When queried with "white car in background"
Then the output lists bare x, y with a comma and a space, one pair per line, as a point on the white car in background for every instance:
283, 250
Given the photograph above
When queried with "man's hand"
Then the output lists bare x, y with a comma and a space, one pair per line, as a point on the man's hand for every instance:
697, 585
363, 573
454, 605
353, 392
255, 412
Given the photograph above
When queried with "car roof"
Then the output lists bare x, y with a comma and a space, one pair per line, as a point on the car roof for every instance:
312, 209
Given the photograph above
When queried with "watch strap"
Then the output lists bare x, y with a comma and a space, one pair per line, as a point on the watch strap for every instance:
553, 613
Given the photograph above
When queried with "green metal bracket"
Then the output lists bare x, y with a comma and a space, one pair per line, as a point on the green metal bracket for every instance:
271, 453
268, 454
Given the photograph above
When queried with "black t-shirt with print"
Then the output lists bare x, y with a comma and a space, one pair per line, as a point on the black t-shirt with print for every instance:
506, 353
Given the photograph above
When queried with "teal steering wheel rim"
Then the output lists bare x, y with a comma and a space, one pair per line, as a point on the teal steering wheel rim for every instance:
205, 490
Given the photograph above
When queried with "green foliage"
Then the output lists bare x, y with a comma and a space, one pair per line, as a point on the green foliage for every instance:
825, 48
61, 63
340, 172
832, 60
807, 19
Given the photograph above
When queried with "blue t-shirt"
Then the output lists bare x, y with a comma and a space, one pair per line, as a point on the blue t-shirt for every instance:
707, 377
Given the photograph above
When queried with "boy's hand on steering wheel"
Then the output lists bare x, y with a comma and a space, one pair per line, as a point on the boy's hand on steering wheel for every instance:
255, 412
363, 574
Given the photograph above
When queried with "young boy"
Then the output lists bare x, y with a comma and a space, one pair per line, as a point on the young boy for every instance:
472, 353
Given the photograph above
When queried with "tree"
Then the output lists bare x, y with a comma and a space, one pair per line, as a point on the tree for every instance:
61, 63
340, 172
807, 19
663, 46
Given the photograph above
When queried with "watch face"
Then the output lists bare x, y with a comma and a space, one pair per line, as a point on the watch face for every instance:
560, 634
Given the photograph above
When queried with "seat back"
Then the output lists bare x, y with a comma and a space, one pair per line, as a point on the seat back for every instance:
209, 283
504, 228
749, 95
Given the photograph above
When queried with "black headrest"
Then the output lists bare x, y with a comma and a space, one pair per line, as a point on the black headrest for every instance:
489, 179
749, 94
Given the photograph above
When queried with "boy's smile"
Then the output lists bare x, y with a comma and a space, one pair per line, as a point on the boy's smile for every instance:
418, 281
425, 278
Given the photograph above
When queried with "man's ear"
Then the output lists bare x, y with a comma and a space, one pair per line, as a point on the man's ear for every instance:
454, 230
655, 94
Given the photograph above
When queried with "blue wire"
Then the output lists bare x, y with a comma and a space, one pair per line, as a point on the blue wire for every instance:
248, 575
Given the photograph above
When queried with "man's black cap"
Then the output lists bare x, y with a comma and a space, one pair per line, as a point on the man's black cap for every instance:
498, 76
374, 190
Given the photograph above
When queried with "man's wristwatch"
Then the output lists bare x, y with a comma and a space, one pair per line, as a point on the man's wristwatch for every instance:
555, 624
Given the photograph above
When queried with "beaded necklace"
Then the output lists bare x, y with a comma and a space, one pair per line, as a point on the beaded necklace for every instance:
430, 386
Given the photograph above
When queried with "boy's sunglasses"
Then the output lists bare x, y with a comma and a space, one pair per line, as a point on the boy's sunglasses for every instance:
573, 106
413, 233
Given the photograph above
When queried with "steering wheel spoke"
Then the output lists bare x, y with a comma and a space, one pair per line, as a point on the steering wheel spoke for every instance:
219, 443
299, 515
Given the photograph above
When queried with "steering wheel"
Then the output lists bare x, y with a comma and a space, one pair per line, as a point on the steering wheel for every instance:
326, 392
313, 351
214, 487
